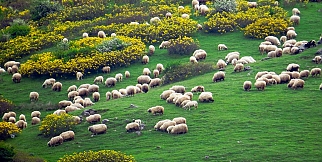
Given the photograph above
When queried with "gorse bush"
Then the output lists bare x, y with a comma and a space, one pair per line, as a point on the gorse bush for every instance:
220, 22
53, 124
182, 46
5, 105
98, 156
7, 129
225, 5
111, 45
174, 73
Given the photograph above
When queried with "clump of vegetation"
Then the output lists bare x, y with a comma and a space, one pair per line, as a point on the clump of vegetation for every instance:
18, 27
102, 155
7, 130
183, 46
6, 152
42, 8
25, 157
225, 5
221, 22
112, 45
175, 73
5, 105
53, 124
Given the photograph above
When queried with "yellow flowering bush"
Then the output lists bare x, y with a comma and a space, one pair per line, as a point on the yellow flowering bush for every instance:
182, 46
220, 23
7, 129
5, 105
98, 156
53, 124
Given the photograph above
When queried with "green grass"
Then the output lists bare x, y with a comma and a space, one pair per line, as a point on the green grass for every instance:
278, 124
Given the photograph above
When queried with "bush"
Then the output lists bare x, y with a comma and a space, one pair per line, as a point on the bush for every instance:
113, 44
174, 73
18, 28
25, 157
98, 156
42, 8
225, 6
220, 23
5, 105
6, 152
7, 129
53, 125
183, 46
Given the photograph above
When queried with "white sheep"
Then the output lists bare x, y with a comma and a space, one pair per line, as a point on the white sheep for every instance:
232, 55
57, 86
193, 59
315, 72
155, 82
198, 89
168, 15
283, 39
64, 103
101, 34
252, 4
180, 99
178, 89
293, 67
285, 78
166, 124
131, 90
146, 71
83, 92
165, 94
204, 10
260, 85
221, 64
144, 79
79, 75
119, 77
67, 135
93, 118
12, 119
96, 96
110, 82
113, 34
218, 76
72, 88
317, 59
247, 85
296, 11
239, 67
93, 88
71, 108
164, 44
190, 104
65, 40
295, 19
35, 114
200, 54
222, 47
57, 140
160, 123
304, 73
59, 112
98, 79
179, 129
145, 59
154, 20
205, 97
34, 96
85, 35
22, 117
127, 74
291, 34
159, 67
156, 110
185, 16
88, 102
108, 96
274, 40
21, 124
98, 129
123, 91
106, 69
133, 126
16, 77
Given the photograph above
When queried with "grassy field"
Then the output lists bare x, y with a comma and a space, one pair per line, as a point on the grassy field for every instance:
278, 124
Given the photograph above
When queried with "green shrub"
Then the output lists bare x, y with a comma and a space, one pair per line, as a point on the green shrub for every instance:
6, 152
5, 105
53, 125
25, 157
7, 129
98, 156
225, 6
111, 45
182, 46
42, 8
18, 28
174, 73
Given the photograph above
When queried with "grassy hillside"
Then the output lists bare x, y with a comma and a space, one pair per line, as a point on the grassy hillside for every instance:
277, 124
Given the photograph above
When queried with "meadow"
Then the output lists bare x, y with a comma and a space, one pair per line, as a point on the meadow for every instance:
277, 124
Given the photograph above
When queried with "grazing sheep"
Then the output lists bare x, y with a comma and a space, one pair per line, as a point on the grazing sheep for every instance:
179, 129
84, 86
132, 127
296, 11
16, 77
159, 67
286, 50
22, 117
221, 64
145, 59
113, 34
34, 96
193, 59
116, 94
85, 35
168, 15
295, 19
260, 85
21, 124
291, 34
72, 88
165, 94
108, 96
156, 110
178, 89
110, 82
12, 119
239, 67
185, 16
131, 90
59, 112
67, 135
285, 78
155, 82
317, 59
160, 123
83, 92
252, 4
293, 67
200, 54
79, 76
184, 103
93, 88
127, 74
247, 85
64, 103
123, 91
98, 79
154, 20
98, 129
262, 48
101, 34
190, 104
283, 39
164, 44
232, 55
274, 40
57, 140
295, 75
57, 86
71, 108
222, 47
166, 124
204, 10
35, 114
10, 64
199, 27
173, 97
35, 120
156, 73
146, 71
206, 97
96, 96
93, 118
269, 48
315, 72
144, 79
218, 76
119, 77
87, 102
298, 83
180, 99
106, 69
304, 73
198, 89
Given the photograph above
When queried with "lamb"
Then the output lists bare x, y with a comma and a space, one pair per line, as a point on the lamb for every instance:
83, 92
34, 96
179, 129
127, 74
57, 86
190, 104
165, 94
206, 97
247, 85
110, 82
93, 88
57, 140
156, 110
239, 67
222, 47
178, 89
160, 123
35, 114
154, 20
146, 71
145, 59
317, 59
295, 75
304, 73
119, 77
98, 79
293, 67
159, 67
291, 34
93, 118
101, 34
106, 69
296, 11
130, 127
72, 88
274, 40
67, 135
96, 96
164, 44
108, 96
218, 76
35, 120
198, 89
260, 85
138, 88
16, 77
21, 124
98, 129
155, 82
315, 72
221, 64
131, 90
193, 59
145, 88
144, 79
295, 19
79, 76
166, 124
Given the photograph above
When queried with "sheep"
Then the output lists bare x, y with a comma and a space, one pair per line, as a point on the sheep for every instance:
14, 69
57, 140
119, 77
2, 70
98, 79
179, 129
295, 75
67, 135
296, 11
293, 67
204, 10
16, 77
6, 117
130, 127
178, 89
291, 34
57, 86
93, 118
72, 88
260, 85
83, 92
34, 96
160, 123
200, 54
317, 59
123, 91
93, 88
320, 86
77, 119
315, 72
269, 48
247, 85
22, 117
252, 4
295, 19
21, 124
190, 94
166, 124
194, 2
205, 97
185, 16
84, 86
164, 44
131, 90
35, 120
239, 67
144, 79
134, 23
110, 82
71, 108
274, 40
10, 64
222, 47
165, 94
96, 96
221, 64
232, 55
168, 15
159, 67
59, 112
64, 103
116, 94
218, 76
113, 34
98, 129
106, 69
190, 104
156, 110
298, 83
127, 74
199, 27
285, 78
193, 59
180, 99
304, 73
12, 119
87, 102
198, 89
146, 71
79, 75
145, 59
156, 73
108, 96
173, 97
101, 34
295, 50
85, 35
35, 114
155, 82
184, 103
286, 50
283, 39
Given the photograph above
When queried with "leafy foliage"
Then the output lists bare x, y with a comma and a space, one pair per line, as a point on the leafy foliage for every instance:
18, 28
221, 22
113, 44
98, 156
7, 129
41, 8
53, 124
6, 152
183, 46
